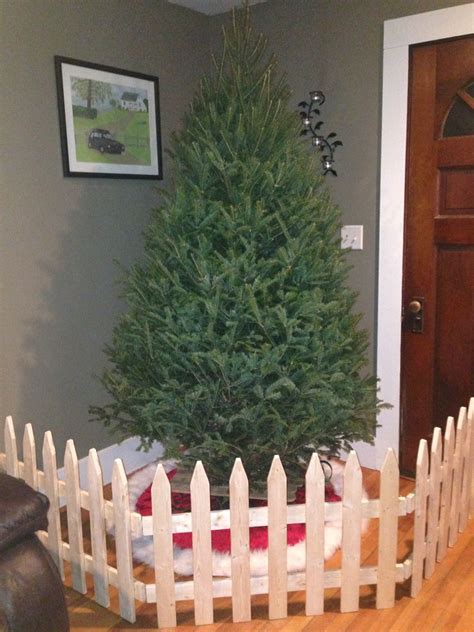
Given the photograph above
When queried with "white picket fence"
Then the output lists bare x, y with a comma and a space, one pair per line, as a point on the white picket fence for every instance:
442, 501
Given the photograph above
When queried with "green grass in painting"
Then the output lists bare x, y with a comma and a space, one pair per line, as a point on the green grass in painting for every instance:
130, 128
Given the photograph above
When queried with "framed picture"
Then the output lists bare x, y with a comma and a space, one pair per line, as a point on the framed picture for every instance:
109, 121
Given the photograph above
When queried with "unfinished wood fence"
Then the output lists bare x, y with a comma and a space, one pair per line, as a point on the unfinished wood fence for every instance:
441, 503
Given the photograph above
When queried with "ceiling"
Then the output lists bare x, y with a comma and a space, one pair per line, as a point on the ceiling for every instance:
212, 7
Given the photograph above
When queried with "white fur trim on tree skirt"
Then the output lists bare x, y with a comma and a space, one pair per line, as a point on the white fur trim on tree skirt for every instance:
183, 558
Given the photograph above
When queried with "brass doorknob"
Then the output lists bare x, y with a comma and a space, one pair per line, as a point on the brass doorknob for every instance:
414, 307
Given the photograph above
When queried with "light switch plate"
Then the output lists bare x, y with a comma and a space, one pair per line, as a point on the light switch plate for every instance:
352, 237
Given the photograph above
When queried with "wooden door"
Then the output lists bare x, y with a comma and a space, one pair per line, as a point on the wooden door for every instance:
438, 278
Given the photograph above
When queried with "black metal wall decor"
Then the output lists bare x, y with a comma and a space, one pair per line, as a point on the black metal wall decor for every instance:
311, 125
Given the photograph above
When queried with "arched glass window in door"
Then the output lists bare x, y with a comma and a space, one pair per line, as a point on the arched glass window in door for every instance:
460, 118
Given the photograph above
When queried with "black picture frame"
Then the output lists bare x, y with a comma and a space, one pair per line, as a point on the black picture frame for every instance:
109, 121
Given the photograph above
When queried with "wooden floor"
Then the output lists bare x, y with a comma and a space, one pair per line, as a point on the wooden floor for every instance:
446, 602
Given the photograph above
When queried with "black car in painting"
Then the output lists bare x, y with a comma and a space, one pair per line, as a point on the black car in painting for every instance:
102, 140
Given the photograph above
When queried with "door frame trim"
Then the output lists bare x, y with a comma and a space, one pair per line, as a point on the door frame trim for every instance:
399, 34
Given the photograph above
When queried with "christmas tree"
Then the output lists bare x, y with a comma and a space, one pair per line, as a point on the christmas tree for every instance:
240, 338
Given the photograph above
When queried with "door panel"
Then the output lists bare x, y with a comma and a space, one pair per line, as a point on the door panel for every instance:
456, 192
454, 313
437, 358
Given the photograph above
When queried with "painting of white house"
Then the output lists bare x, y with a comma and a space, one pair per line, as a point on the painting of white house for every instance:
110, 122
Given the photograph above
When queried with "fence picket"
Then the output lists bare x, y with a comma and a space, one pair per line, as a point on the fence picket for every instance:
123, 542
51, 488
314, 487
74, 518
421, 494
433, 503
470, 476
11, 450
457, 475
240, 543
465, 476
351, 528
30, 470
97, 520
467, 482
446, 488
388, 531
163, 550
202, 551
277, 541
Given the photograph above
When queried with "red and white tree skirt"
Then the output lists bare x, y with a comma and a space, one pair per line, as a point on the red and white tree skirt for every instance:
139, 485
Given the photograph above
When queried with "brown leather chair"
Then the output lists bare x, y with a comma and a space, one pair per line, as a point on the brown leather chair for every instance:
31, 591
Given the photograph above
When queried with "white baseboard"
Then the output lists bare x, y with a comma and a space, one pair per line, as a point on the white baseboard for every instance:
127, 450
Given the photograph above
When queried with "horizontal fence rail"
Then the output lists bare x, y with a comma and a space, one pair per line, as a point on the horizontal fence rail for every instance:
442, 503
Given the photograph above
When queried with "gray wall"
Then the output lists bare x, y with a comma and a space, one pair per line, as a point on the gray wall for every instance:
336, 46
59, 236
